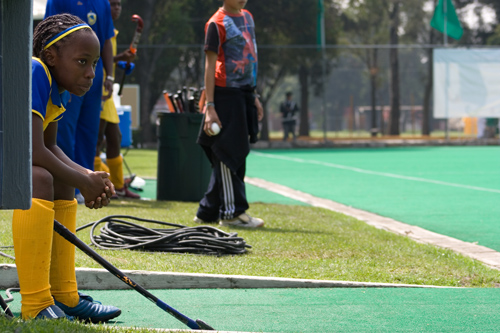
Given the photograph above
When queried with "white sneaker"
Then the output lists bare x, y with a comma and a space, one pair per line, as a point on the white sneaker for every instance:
244, 220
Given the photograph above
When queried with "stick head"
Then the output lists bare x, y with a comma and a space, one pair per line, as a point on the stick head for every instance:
140, 22
204, 326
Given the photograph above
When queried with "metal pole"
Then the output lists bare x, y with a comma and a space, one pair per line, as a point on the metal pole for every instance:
323, 71
445, 36
445, 12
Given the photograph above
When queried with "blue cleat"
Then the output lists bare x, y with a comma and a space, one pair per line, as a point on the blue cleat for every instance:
52, 312
89, 310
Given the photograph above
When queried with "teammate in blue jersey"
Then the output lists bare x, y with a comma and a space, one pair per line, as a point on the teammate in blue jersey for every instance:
78, 131
65, 54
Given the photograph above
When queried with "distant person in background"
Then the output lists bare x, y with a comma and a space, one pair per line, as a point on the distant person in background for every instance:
79, 128
109, 125
288, 110
231, 103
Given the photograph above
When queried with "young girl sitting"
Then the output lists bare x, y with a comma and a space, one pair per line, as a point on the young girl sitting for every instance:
65, 52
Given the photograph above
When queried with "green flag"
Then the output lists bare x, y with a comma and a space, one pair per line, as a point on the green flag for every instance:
453, 27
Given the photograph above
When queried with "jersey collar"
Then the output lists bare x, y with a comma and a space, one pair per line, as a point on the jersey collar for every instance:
58, 99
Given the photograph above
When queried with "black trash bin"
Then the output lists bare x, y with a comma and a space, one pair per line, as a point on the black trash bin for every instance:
183, 168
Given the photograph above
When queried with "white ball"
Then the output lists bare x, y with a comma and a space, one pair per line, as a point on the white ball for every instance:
215, 128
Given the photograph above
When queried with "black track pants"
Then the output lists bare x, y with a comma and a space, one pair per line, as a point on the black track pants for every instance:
225, 197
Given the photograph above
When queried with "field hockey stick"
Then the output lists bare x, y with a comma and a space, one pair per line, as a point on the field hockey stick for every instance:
178, 102
5, 308
70, 237
193, 100
133, 46
170, 105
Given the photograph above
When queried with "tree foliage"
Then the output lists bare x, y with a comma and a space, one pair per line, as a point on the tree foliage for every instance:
290, 26
171, 49
171, 56
168, 27
382, 22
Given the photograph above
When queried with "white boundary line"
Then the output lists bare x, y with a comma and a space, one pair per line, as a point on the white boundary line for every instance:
376, 173
486, 255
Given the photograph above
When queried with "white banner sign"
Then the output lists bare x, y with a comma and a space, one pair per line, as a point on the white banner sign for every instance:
466, 83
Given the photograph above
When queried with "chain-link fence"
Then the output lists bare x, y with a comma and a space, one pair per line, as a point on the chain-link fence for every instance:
358, 100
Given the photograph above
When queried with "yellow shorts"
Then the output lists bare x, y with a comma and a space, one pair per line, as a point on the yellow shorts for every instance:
109, 112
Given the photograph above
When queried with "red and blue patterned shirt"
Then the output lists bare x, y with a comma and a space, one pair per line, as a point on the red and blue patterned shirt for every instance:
232, 37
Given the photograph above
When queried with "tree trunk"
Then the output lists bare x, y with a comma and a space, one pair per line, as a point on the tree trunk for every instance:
264, 130
270, 88
394, 63
146, 63
426, 116
145, 105
304, 101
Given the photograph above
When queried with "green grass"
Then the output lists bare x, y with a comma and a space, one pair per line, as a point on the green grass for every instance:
142, 162
19, 326
297, 242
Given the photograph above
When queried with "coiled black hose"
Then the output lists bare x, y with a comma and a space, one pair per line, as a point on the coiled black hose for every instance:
119, 233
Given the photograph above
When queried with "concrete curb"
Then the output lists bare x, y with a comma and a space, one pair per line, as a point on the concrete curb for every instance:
101, 279
486, 255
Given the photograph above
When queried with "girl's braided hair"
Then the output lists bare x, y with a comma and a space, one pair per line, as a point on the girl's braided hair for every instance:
49, 27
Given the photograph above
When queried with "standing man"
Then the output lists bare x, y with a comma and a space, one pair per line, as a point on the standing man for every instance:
109, 124
288, 109
78, 129
230, 81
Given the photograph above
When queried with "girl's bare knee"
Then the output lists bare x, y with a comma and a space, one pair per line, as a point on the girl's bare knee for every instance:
43, 184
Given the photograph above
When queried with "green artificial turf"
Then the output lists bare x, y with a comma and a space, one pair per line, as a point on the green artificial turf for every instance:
303, 310
452, 191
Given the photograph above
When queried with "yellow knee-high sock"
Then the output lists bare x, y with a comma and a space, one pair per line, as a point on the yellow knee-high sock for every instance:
116, 171
99, 165
62, 268
32, 232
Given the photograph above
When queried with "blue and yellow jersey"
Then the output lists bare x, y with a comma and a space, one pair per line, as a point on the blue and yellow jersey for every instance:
97, 13
109, 112
46, 101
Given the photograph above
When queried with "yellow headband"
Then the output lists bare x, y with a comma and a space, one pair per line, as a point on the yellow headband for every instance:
64, 33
